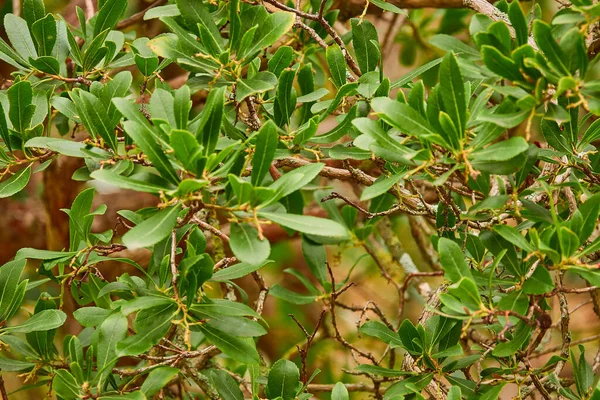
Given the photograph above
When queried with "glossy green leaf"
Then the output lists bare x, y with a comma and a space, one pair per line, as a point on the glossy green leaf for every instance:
152, 230
266, 145
109, 14
247, 245
283, 380
307, 224
15, 183
367, 53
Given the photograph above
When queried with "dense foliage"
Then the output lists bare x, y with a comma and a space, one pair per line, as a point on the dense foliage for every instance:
287, 119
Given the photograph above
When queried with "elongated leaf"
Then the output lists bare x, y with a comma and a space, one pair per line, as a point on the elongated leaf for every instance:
10, 273
283, 380
153, 229
266, 144
109, 14
236, 271
453, 260
543, 37
44, 32
247, 245
307, 224
113, 178
337, 65
15, 183
210, 121
20, 97
380, 331
143, 137
18, 34
157, 379
276, 25
112, 330
42, 321
452, 93
405, 118
240, 349
367, 53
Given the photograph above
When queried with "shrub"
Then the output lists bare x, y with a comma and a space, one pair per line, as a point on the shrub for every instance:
288, 126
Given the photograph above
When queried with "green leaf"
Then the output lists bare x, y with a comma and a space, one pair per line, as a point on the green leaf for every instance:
42, 321
46, 64
316, 259
157, 379
196, 14
161, 107
44, 32
520, 336
151, 325
267, 139
283, 380
514, 236
517, 20
33, 10
543, 37
113, 178
380, 186
109, 14
275, 26
247, 245
227, 387
9, 365
20, 97
10, 273
453, 260
452, 93
186, 148
236, 271
210, 120
97, 117
367, 54
292, 181
284, 294
153, 229
380, 331
110, 332
381, 371
509, 120
18, 34
91, 316
280, 60
15, 183
384, 5
285, 98
452, 44
406, 119
337, 65
182, 104
260, 83
590, 210
539, 283
65, 385
413, 384
499, 152
307, 224
144, 139
240, 349
500, 64
225, 307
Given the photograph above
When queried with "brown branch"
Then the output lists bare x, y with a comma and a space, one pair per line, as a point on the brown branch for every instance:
2, 387
137, 17
410, 204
